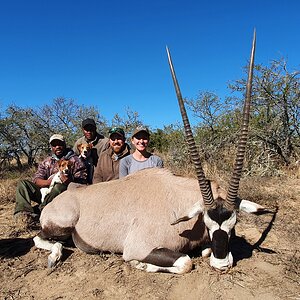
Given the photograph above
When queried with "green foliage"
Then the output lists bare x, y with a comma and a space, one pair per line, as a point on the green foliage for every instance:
170, 143
129, 122
276, 110
25, 132
274, 127
274, 136
65, 116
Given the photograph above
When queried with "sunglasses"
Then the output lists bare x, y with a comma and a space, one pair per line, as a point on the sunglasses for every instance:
55, 143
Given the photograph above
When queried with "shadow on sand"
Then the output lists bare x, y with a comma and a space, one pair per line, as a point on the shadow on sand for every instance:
241, 249
14, 247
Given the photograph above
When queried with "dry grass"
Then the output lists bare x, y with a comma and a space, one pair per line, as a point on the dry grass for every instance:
9, 181
270, 270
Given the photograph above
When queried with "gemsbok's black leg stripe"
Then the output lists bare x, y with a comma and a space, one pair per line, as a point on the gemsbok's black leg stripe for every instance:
162, 257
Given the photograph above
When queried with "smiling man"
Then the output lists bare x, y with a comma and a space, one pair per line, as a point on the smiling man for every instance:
109, 160
28, 191
91, 136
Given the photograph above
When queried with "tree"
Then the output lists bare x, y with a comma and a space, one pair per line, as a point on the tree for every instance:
159, 141
129, 122
19, 134
276, 109
65, 116
25, 132
218, 124
209, 108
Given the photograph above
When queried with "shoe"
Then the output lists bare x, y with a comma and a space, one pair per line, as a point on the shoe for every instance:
26, 220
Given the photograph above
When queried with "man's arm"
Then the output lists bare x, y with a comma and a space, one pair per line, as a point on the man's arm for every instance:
42, 176
42, 182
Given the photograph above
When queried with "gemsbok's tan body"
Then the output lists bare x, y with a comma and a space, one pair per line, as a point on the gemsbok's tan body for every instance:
153, 217
132, 215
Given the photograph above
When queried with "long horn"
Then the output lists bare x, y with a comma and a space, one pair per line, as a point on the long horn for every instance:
203, 183
241, 149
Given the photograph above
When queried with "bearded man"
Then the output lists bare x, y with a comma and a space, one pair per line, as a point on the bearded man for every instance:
108, 163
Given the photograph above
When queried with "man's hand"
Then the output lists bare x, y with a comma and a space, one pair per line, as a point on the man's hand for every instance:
41, 183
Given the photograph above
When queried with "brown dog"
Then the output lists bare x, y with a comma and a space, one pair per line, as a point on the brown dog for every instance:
64, 167
85, 150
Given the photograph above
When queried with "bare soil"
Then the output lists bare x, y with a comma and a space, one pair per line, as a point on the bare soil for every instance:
265, 249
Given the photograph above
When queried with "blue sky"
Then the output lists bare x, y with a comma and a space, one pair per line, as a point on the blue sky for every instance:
111, 54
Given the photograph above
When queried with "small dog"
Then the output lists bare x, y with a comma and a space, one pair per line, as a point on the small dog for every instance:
64, 167
85, 150
87, 155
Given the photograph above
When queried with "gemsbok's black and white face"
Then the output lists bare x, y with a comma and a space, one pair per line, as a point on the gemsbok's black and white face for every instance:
220, 222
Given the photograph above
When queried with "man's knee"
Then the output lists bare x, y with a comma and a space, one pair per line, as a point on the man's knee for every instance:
26, 185
22, 184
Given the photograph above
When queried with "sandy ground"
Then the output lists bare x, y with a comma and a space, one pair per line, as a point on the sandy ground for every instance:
265, 249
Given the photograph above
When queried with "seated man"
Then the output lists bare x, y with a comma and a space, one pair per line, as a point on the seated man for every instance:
108, 164
28, 191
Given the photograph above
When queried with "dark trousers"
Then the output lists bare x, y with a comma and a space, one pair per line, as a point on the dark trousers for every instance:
27, 192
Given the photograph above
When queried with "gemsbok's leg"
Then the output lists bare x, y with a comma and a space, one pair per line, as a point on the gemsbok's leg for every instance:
57, 222
54, 247
164, 260
144, 254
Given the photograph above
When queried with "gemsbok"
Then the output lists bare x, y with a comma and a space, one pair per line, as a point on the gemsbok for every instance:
153, 217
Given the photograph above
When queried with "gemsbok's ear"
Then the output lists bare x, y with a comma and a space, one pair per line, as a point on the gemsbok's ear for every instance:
250, 207
194, 211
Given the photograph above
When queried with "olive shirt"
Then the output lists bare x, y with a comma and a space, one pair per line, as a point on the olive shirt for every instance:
108, 165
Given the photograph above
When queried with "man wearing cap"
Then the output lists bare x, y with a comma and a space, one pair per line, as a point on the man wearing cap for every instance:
108, 164
28, 191
140, 159
91, 136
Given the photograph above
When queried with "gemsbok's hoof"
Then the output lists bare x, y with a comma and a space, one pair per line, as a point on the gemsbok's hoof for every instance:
55, 255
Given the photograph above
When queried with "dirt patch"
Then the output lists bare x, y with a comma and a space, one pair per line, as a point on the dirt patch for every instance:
266, 251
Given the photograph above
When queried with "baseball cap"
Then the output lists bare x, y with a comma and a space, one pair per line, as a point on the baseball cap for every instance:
88, 121
140, 129
56, 137
117, 130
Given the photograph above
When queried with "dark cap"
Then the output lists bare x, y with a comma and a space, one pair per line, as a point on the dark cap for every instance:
117, 130
140, 129
88, 121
